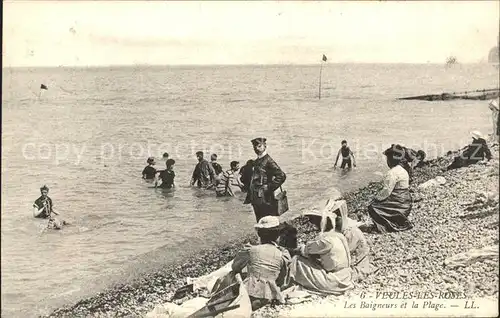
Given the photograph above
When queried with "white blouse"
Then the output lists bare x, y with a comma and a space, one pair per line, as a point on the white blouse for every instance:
396, 178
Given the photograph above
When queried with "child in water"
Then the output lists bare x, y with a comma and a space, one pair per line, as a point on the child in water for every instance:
43, 208
347, 154
149, 173
167, 176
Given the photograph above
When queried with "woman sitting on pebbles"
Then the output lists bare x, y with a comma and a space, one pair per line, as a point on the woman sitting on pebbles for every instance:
323, 265
266, 264
358, 246
390, 209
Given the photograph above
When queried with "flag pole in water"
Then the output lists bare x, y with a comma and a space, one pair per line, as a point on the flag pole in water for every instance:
320, 71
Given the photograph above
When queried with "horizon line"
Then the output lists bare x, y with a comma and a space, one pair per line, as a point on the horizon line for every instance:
243, 64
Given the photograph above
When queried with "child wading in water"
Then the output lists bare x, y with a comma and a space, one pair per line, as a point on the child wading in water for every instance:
149, 173
346, 157
167, 176
43, 208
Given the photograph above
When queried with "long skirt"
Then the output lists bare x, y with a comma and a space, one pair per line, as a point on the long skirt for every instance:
310, 274
391, 214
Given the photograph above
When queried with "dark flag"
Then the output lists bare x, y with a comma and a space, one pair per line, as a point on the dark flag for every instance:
324, 58
43, 87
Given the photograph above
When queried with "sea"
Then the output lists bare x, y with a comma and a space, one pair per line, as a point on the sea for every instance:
88, 137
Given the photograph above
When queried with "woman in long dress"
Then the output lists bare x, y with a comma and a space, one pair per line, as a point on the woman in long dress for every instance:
324, 264
266, 264
390, 209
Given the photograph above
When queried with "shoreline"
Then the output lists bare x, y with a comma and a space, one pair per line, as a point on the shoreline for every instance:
142, 295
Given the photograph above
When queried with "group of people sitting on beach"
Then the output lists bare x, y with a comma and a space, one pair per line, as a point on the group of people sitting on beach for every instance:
206, 175
339, 256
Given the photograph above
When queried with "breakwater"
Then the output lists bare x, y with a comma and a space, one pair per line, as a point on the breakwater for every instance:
480, 94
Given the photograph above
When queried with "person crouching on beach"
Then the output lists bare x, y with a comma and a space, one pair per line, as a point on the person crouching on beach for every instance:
475, 152
149, 172
323, 265
390, 209
348, 159
43, 208
411, 159
266, 264
167, 176
266, 178
228, 180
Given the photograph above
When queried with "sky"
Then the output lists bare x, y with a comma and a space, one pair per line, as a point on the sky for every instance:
99, 33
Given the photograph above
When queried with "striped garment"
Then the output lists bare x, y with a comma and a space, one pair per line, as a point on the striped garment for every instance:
227, 180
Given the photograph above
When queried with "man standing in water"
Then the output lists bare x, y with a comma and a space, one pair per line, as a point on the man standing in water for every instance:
266, 178
203, 174
346, 157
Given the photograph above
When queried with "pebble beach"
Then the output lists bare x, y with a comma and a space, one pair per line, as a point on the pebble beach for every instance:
449, 219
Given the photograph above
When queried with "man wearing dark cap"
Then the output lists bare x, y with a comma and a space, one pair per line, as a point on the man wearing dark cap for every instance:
266, 178
203, 174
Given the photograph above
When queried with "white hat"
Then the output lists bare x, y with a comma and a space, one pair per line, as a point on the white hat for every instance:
476, 134
493, 104
268, 222
326, 213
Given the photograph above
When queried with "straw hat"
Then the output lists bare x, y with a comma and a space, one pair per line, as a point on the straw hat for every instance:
476, 134
268, 222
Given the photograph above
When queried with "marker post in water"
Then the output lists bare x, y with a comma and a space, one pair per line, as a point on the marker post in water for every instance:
42, 88
324, 59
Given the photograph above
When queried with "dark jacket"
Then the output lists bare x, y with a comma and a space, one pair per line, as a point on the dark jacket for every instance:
477, 151
217, 167
246, 176
265, 172
203, 174
472, 154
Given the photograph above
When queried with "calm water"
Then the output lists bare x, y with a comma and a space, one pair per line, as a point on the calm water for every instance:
89, 135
